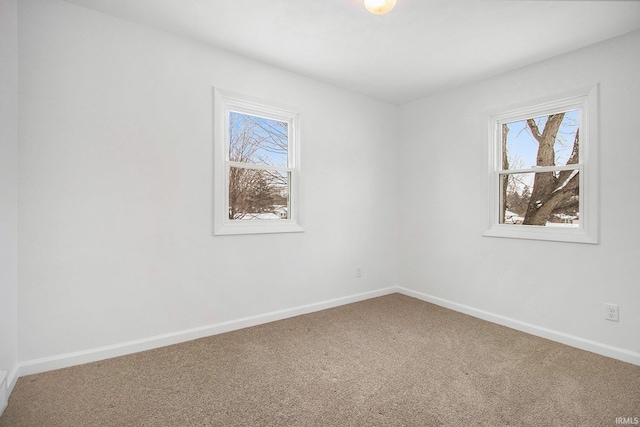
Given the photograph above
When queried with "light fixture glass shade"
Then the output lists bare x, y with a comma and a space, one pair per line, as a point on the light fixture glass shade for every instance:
379, 7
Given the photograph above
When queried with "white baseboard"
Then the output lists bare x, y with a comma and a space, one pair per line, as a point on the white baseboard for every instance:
561, 337
11, 379
44, 364
92, 355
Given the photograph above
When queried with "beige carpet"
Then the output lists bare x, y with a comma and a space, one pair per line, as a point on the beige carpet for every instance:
389, 361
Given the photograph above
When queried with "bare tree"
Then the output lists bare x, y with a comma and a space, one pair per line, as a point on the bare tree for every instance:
256, 141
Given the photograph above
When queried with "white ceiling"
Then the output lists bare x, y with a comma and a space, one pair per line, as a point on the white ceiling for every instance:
419, 48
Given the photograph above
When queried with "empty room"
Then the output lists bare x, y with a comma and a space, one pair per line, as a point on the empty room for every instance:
319, 213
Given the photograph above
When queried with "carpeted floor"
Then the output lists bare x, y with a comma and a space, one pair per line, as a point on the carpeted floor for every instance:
388, 361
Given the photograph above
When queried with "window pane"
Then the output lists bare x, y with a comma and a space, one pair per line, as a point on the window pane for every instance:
551, 140
258, 194
258, 140
545, 199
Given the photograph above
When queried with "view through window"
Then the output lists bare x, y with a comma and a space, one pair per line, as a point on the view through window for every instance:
259, 175
540, 173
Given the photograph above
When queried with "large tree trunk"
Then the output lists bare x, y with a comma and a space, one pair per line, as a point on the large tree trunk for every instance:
539, 210
550, 190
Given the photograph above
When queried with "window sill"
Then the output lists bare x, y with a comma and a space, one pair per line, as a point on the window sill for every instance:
257, 227
534, 232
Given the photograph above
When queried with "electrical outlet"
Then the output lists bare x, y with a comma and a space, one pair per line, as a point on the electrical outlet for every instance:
358, 271
611, 312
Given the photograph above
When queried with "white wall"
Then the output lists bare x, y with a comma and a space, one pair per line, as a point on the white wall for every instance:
557, 288
115, 233
8, 185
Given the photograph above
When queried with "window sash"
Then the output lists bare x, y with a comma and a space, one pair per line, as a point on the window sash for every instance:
540, 169
259, 166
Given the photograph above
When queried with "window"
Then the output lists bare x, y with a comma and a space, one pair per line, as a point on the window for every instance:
255, 166
543, 182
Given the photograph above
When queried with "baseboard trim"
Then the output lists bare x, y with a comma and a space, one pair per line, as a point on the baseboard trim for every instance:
93, 355
35, 366
12, 378
570, 340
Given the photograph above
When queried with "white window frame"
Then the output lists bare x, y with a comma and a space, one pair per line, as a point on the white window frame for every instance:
586, 100
224, 103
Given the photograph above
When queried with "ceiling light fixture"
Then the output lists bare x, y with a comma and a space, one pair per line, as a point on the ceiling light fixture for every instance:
379, 7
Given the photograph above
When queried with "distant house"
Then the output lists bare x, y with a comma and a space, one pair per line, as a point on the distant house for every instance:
281, 211
512, 218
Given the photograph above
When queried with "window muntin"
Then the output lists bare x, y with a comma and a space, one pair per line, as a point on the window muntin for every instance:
543, 170
256, 167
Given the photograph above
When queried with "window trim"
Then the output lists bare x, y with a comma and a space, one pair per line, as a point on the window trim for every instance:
586, 99
223, 103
